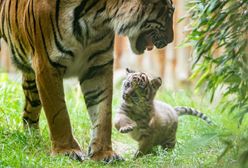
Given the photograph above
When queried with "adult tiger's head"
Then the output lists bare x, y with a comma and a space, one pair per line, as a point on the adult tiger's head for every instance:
139, 88
147, 23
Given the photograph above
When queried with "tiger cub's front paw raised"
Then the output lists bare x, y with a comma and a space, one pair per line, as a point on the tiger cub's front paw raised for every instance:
127, 129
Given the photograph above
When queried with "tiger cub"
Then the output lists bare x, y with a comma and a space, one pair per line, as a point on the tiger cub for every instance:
150, 122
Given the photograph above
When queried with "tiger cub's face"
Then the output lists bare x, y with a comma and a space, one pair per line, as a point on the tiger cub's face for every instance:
139, 88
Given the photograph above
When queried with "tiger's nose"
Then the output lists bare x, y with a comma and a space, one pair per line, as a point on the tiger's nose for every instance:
170, 36
124, 96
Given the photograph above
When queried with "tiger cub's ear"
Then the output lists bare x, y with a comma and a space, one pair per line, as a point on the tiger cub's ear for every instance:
128, 71
156, 83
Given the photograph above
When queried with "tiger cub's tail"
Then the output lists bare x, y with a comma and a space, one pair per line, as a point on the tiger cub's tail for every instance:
189, 111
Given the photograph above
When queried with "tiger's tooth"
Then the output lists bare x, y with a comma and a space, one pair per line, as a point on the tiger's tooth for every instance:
149, 43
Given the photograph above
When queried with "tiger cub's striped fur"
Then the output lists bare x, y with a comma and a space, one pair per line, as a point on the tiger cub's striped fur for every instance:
54, 39
150, 122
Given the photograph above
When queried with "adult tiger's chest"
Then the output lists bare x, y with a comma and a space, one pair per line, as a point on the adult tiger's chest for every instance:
97, 52
89, 39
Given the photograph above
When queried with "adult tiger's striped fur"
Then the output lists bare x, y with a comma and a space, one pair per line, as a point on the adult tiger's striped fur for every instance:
54, 39
150, 122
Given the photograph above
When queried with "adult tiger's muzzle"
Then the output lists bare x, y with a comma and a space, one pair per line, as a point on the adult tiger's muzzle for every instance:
161, 39
148, 39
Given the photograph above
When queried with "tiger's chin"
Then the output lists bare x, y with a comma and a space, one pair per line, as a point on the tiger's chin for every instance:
146, 41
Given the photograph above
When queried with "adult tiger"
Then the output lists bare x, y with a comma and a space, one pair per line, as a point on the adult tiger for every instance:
54, 39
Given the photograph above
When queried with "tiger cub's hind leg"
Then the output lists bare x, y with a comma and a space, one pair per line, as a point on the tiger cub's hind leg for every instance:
32, 105
170, 140
145, 146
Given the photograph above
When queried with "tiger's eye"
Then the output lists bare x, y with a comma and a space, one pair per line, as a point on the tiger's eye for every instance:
127, 85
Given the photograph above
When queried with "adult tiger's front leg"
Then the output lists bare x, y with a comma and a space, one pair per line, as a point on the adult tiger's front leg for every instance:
97, 88
50, 85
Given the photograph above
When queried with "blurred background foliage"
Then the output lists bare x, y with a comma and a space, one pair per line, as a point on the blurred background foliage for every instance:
222, 25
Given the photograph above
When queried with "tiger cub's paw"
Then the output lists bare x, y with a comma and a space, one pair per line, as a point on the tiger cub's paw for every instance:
138, 154
127, 128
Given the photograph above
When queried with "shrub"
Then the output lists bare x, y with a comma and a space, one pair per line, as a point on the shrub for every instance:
221, 25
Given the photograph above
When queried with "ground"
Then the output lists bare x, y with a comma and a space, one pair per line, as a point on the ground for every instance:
198, 144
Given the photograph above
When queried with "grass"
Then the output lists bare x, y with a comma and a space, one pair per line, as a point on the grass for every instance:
199, 145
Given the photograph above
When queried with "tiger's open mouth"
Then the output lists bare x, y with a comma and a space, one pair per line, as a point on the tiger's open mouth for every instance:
147, 40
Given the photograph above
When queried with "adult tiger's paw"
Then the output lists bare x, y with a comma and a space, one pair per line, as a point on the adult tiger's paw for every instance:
73, 154
106, 156
30, 125
77, 155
